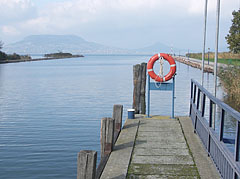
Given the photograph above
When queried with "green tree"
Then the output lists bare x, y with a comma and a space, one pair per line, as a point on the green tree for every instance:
233, 38
3, 56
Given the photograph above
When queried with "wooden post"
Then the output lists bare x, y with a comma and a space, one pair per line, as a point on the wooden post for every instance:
139, 82
107, 136
86, 164
117, 116
137, 87
143, 88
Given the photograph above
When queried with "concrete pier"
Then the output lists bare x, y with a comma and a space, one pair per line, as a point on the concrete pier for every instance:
196, 63
158, 147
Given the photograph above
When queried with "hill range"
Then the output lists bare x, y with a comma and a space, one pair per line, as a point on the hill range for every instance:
42, 44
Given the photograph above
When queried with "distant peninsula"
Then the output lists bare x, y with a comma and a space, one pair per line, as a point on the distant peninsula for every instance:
61, 55
14, 58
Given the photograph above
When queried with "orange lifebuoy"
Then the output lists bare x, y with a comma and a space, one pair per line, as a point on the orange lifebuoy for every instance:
168, 76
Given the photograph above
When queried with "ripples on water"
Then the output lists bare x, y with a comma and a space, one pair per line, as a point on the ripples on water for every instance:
50, 110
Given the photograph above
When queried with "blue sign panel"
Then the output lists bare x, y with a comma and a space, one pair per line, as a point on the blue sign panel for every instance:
161, 86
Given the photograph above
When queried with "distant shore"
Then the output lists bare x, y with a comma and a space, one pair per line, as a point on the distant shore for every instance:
196, 63
38, 59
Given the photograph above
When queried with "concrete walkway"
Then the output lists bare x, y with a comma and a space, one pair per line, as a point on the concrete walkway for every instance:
205, 62
157, 148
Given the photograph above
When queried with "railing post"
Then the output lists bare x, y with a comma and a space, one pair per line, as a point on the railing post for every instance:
86, 164
191, 99
191, 89
210, 113
203, 103
221, 125
210, 125
117, 116
237, 142
198, 101
107, 136
194, 93
198, 98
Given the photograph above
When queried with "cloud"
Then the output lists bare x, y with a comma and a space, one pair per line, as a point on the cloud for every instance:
16, 10
113, 22
9, 30
121, 13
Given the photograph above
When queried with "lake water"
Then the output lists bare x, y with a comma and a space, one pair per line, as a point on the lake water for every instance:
50, 110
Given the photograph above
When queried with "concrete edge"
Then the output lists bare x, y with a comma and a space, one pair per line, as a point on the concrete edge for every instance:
206, 167
119, 160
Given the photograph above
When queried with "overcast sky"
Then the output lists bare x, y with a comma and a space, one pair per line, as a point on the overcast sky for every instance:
119, 23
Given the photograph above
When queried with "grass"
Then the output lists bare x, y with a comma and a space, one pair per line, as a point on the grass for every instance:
223, 57
226, 61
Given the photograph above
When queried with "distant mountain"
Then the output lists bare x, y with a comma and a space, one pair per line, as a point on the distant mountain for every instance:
42, 44
155, 48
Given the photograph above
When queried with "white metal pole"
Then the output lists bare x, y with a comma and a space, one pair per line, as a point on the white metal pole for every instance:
204, 40
216, 48
216, 60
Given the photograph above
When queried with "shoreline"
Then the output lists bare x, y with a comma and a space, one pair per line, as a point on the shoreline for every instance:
195, 63
38, 59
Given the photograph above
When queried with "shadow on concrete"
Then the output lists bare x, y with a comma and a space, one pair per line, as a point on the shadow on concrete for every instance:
130, 125
119, 177
128, 144
133, 125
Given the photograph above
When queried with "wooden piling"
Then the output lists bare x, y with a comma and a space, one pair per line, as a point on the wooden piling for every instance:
117, 116
137, 86
139, 82
143, 88
107, 136
86, 164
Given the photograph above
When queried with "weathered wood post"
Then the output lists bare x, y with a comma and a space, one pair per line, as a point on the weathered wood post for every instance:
143, 88
117, 116
86, 164
139, 81
137, 86
107, 136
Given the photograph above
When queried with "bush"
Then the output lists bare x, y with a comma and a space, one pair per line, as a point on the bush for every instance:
13, 57
230, 80
3, 56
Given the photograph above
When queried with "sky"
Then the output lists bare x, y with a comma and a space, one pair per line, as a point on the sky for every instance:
120, 23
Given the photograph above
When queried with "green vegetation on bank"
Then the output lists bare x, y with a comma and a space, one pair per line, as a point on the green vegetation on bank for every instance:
11, 57
230, 80
223, 57
61, 55
233, 38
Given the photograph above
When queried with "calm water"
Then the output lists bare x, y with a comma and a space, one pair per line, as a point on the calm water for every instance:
50, 110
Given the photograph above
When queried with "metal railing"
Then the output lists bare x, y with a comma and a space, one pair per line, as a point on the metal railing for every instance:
214, 140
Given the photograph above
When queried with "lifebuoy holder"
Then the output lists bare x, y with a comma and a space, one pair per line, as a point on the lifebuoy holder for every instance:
156, 77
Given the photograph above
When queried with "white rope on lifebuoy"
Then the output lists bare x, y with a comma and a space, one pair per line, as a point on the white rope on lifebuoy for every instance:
160, 78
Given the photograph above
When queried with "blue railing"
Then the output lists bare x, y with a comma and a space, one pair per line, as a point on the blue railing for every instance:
215, 142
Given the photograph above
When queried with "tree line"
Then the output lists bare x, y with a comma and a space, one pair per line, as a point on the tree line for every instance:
4, 56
